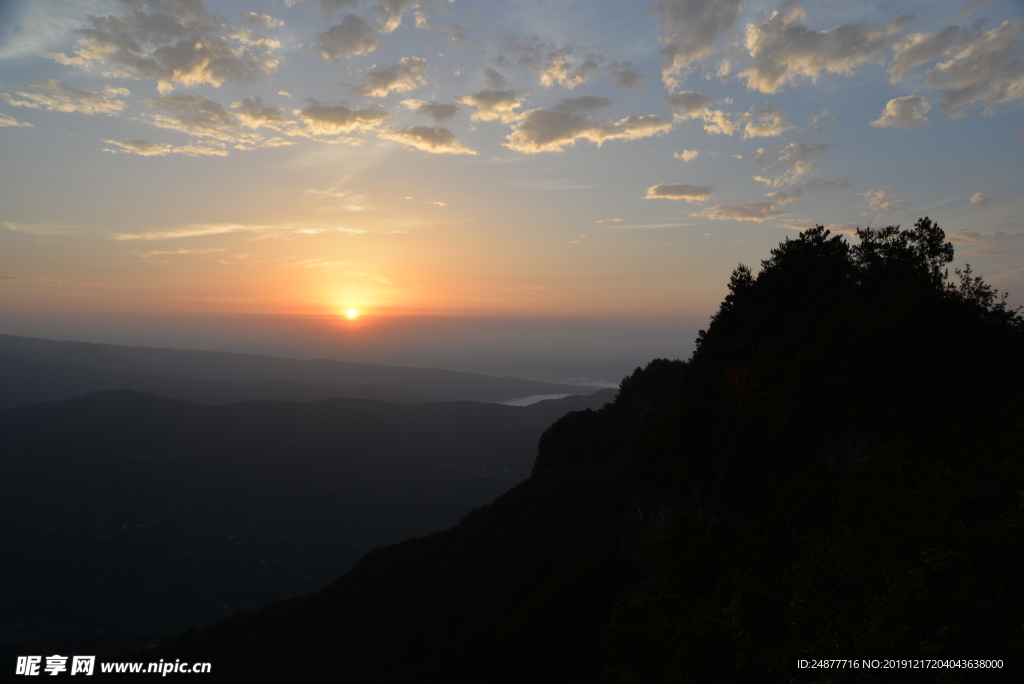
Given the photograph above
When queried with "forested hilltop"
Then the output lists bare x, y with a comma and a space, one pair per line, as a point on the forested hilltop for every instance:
835, 473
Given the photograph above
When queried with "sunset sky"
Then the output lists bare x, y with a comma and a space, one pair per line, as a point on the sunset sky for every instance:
529, 176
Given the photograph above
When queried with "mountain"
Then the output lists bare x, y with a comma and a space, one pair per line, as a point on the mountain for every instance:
836, 473
128, 515
356, 379
24, 381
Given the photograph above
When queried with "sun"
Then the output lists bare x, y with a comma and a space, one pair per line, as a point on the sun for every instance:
351, 313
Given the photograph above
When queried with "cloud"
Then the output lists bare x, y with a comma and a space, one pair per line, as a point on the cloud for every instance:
689, 104
806, 224
34, 281
172, 42
920, 48
904, 112
427, 138
353, 36
322, 119
690, 29
625, 77
164, 252
988, 72
577, 105
798, 156
567, 66
408, 74
438, 111
782, 50
767, 122
797, 190
8, 121
748, 211
979, 199
144, 148
194, 115
253, 114
549, 130
974, 238
690, 193
609, 220
262, 20
717, 122
495, 81
55, 96
391, 12
686, 155
491, 105
880, 199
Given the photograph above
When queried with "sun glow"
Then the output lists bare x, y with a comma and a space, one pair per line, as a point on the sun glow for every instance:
351, 313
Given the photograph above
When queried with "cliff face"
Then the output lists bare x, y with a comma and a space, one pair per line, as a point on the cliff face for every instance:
836, 473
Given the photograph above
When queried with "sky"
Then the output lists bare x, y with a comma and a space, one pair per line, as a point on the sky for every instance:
556, 189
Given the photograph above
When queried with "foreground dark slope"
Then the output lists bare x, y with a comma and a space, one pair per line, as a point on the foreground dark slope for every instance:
229, 367
128, 515
835, 474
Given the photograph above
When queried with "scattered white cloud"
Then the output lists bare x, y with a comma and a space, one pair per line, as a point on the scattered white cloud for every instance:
798, 190
686, 155
748, 211
690, 29
916, 49
689, 104
195, 115
166, 252
427, 138
675, 191
252, 114
438, 111
144, 148
495, 81
550, 130
791, 162
9, 121
904, 112
782, 49
625, 77
262, 20
438, 203
391, 11
568, 66
987, 73
980, 198
609, 220
491, 105
323, 119
55, 96
408, 74
353, 36
578, 105
172, 42
767, 122
880, 199
717, 122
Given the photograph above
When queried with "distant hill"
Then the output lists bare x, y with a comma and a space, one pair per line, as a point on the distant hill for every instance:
25, 381
128, 515
406, 384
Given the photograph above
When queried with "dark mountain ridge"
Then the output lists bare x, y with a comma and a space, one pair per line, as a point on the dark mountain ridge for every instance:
836, 473
24, 381
230, 367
